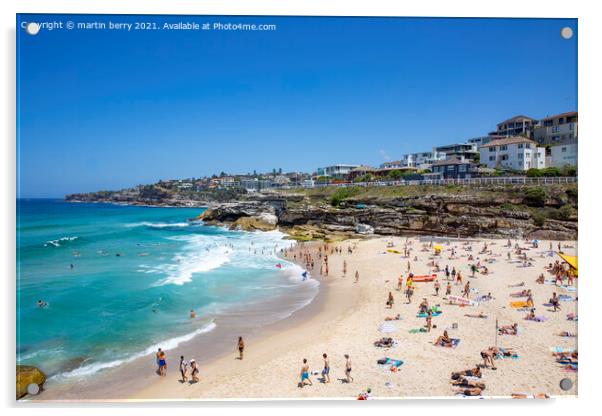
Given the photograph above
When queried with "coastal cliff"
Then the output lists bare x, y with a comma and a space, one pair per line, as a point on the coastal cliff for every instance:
514, 211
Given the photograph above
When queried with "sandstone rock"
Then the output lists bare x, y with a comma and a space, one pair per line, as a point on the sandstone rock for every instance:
26, 375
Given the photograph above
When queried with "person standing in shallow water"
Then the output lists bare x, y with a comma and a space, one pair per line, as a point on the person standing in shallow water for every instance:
241, 348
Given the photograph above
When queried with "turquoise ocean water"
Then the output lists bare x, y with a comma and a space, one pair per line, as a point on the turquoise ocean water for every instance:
137, 272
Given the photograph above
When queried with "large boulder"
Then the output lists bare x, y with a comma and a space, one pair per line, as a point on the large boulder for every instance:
26, 375
256, 223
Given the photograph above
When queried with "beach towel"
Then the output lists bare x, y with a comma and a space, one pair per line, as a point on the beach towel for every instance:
417, 330
560, 350
424, 278
539, 318
390, 362
566, 298
518, 304
387, 327
424, 315
461, 301
454, 343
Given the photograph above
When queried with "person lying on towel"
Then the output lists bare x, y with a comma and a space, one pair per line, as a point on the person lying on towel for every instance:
472, 372
508, 329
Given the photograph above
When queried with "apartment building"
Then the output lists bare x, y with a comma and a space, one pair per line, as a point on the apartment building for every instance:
516, 126
516, 153
556, 129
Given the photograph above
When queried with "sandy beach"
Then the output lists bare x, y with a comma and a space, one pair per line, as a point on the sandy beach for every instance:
346, 319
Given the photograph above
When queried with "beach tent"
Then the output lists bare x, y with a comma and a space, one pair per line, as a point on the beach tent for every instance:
571, 260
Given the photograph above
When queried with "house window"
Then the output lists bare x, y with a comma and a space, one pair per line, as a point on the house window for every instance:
462, 168
491, 158
520, 155
572, 126
492, 149
504, 157
555, 129
520, 145
563, 150
504, 147
527, 145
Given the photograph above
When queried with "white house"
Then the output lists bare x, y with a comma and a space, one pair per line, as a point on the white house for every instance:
421, 160
339, 171
517, 153
564, 154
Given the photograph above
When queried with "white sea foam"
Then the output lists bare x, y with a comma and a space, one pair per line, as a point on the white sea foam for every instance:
162, 224
59, 241
169, 344
200, 254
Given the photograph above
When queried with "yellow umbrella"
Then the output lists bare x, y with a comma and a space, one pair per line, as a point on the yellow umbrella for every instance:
571, 260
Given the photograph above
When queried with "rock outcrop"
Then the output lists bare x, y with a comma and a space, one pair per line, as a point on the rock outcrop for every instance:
26, 375
504, 213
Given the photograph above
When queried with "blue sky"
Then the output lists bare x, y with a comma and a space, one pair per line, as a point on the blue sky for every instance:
112, 109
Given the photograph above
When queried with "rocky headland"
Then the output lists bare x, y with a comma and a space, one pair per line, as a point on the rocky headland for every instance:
505, 211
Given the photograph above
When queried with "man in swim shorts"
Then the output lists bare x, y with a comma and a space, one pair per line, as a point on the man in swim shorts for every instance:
305, 374
326, 370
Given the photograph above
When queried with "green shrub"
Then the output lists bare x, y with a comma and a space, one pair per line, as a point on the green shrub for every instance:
535, 197
566, 212
534, 173
343, 193
539, 219
572, 193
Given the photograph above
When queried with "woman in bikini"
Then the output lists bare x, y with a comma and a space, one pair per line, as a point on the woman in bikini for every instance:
349, 379
444, 340
241, 348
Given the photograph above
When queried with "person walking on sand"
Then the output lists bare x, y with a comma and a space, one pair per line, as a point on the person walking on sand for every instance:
390, 300
241, 348
410, 293
348, 377
195, 370
409, 266
326, 370
400, 282
344, 268
429, 320
437, 287
183, 369
305, 374
357, 276
448, 289
466, 290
